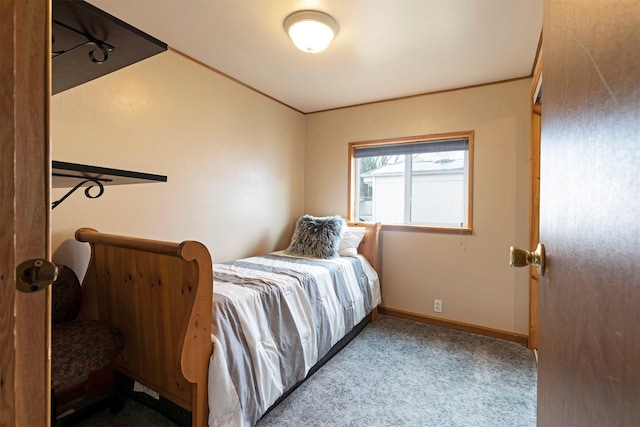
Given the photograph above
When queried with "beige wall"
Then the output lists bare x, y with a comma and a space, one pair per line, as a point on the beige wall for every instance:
240, 174
470, 274
234, 160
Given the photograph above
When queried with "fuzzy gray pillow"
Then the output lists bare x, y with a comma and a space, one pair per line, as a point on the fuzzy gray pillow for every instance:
317, 237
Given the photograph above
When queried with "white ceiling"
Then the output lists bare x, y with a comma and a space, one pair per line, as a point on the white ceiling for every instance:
385, 48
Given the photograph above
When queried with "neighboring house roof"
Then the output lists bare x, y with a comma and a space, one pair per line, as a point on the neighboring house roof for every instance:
427, 167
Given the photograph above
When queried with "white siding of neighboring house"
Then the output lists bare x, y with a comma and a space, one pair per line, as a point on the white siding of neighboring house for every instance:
441, 200
438, 194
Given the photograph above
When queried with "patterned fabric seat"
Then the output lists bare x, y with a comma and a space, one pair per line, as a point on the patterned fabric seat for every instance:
82, 351
80, 347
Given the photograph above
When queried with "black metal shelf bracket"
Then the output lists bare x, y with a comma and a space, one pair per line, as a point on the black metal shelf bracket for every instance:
95, 182
94, 178
102, 47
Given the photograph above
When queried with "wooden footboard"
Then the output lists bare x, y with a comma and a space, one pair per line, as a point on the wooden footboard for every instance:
159, 294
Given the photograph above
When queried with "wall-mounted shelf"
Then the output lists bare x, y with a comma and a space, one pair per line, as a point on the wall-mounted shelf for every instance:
88, 43
75, 176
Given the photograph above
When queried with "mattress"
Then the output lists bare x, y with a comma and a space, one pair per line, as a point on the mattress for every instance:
274, 317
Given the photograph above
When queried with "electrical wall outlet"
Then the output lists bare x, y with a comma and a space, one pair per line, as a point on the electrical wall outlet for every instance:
437, 306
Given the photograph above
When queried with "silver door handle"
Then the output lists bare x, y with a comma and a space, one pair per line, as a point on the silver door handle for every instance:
521, 258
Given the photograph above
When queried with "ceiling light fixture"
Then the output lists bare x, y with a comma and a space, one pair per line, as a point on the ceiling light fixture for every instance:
310, 30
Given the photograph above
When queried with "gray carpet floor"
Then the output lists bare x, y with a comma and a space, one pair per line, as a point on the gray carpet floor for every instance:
399, 372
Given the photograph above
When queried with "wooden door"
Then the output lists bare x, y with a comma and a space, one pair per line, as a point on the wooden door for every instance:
24, 209
589, 317
534, 279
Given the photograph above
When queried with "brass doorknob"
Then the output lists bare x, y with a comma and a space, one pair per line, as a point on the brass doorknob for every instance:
35, 275
522, 257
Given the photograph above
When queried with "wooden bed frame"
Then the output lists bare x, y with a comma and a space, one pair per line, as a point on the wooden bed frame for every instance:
159, 294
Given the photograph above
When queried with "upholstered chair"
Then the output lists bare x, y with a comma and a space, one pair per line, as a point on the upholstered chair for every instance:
82, 354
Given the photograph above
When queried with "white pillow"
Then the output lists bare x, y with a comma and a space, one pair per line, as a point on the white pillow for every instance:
351, 240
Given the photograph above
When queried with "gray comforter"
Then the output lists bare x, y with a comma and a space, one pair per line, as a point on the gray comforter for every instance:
274, 317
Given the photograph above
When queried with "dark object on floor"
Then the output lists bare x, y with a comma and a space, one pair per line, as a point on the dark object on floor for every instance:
175, 413
113, 401
82, 353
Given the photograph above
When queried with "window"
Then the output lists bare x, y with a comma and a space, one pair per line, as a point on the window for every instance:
422, 182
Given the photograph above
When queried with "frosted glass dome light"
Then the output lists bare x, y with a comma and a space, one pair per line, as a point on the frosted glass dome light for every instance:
310, 30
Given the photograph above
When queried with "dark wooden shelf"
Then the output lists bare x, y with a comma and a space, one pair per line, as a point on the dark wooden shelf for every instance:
75, 176
87, 43
66, 175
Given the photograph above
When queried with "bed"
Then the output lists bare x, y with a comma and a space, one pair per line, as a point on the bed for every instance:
181, 333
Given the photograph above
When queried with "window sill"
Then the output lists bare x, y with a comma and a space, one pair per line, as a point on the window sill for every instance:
427, 229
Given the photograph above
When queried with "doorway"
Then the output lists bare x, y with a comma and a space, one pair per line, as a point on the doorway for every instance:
536, 123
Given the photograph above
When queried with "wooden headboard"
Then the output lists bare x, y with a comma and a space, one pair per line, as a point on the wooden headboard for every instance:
371, 244
159, 295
